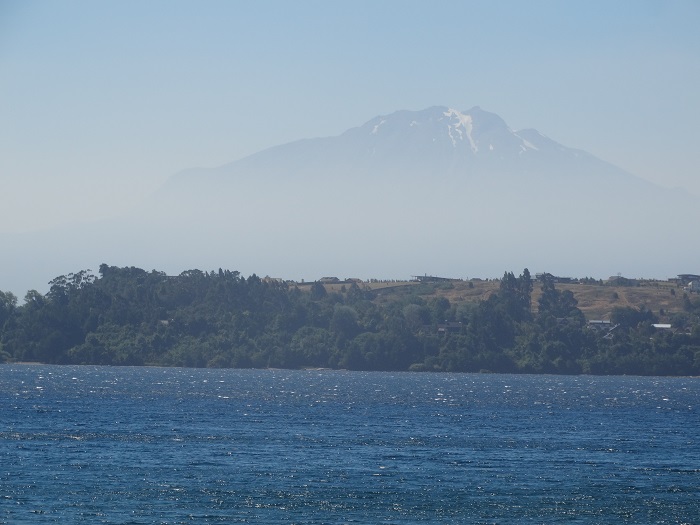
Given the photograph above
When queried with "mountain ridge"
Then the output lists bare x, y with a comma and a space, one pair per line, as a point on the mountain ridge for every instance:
440, 129
442, 188
401, 193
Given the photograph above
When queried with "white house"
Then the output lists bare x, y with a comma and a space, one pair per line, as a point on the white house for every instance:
693, 286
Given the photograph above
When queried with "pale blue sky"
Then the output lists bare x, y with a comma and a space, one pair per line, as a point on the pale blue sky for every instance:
101, 101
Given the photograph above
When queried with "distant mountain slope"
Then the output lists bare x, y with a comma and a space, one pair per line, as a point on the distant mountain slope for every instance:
437, 191
436, 142
451, 192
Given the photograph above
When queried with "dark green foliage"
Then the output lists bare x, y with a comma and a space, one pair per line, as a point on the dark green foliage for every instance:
629, 317
129, 316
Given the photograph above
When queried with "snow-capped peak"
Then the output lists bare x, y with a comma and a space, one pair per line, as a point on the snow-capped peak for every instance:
463, 121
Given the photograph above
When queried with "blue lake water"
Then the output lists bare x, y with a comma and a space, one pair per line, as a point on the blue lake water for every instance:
166, 446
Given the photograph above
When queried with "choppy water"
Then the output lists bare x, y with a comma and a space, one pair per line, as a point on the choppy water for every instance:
166, 446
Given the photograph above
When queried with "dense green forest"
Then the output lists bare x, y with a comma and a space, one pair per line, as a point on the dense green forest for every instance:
128, 316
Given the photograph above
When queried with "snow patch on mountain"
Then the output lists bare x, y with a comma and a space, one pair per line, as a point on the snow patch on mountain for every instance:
375, 130
529, 145
463, 121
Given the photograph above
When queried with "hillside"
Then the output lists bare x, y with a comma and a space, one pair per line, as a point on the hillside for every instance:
129, 316
596, 301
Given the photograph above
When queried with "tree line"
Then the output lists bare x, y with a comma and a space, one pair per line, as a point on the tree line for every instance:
129, 316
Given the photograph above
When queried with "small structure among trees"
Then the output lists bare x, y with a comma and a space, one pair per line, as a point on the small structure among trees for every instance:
693, 286
431, 278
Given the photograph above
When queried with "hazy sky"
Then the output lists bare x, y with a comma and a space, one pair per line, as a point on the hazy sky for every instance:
101, 101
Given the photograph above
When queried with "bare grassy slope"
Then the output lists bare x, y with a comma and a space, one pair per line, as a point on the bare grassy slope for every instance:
596, 301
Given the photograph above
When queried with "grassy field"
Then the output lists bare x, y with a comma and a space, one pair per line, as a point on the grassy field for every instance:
596, 301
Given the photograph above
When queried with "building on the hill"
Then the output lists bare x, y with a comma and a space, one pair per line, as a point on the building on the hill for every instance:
431, 278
